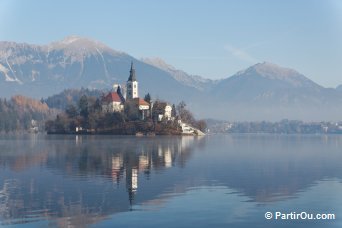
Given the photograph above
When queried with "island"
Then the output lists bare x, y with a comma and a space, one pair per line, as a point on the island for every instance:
122, 112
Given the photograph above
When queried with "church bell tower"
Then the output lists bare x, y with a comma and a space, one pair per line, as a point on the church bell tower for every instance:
132, 85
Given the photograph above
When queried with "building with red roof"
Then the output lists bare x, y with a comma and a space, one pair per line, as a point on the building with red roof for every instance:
143, 107
112, 102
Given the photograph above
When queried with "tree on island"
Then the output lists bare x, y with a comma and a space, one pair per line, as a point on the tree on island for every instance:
186, 116
147, 98
174, 111
131, 111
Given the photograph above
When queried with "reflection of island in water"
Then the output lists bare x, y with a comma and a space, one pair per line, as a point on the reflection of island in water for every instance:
84, 179
79, 181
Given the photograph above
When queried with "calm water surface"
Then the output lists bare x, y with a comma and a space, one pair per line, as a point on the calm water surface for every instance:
212, 181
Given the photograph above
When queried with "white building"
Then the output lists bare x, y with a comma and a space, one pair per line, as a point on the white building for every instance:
163, 110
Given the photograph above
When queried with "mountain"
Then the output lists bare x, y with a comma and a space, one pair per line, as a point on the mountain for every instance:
264, 91
76, 62
182, 77
266, 81
267, 91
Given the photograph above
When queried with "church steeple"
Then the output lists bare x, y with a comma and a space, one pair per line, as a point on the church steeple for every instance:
132, 84
132, 77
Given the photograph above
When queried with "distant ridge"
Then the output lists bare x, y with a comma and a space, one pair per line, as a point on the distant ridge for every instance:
195, 81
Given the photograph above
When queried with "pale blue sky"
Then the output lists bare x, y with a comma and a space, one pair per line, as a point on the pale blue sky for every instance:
211, 38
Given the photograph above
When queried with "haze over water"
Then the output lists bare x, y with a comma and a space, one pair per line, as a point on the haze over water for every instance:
212, 181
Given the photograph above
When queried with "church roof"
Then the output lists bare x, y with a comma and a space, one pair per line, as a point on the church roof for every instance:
132, 76
141, 101
112, 97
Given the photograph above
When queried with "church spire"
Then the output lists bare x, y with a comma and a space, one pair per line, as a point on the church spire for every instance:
132, 77
132, 85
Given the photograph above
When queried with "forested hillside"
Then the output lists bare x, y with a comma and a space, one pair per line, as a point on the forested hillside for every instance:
21, 114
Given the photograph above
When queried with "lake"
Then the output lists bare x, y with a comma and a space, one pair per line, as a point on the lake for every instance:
169, 181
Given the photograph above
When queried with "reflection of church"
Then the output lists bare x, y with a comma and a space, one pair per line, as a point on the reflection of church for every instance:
117, 168
130, 166
131, 182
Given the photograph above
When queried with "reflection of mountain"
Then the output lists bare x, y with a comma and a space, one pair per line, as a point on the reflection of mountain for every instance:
274, 167
81, 180
84, 177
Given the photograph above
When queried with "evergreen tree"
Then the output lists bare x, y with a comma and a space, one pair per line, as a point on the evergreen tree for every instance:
147, 98
71, 111
97, 106
131, 111
83, 106
174, 111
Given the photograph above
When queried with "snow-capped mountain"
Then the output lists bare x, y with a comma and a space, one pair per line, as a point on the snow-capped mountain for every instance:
288, 76
267, 81
267, 91
75, 62
264, 91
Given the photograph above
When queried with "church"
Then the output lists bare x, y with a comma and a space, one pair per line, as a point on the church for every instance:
116, 100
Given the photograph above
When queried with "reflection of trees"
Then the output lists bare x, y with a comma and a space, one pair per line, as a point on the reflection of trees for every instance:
83, 179
22, 155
